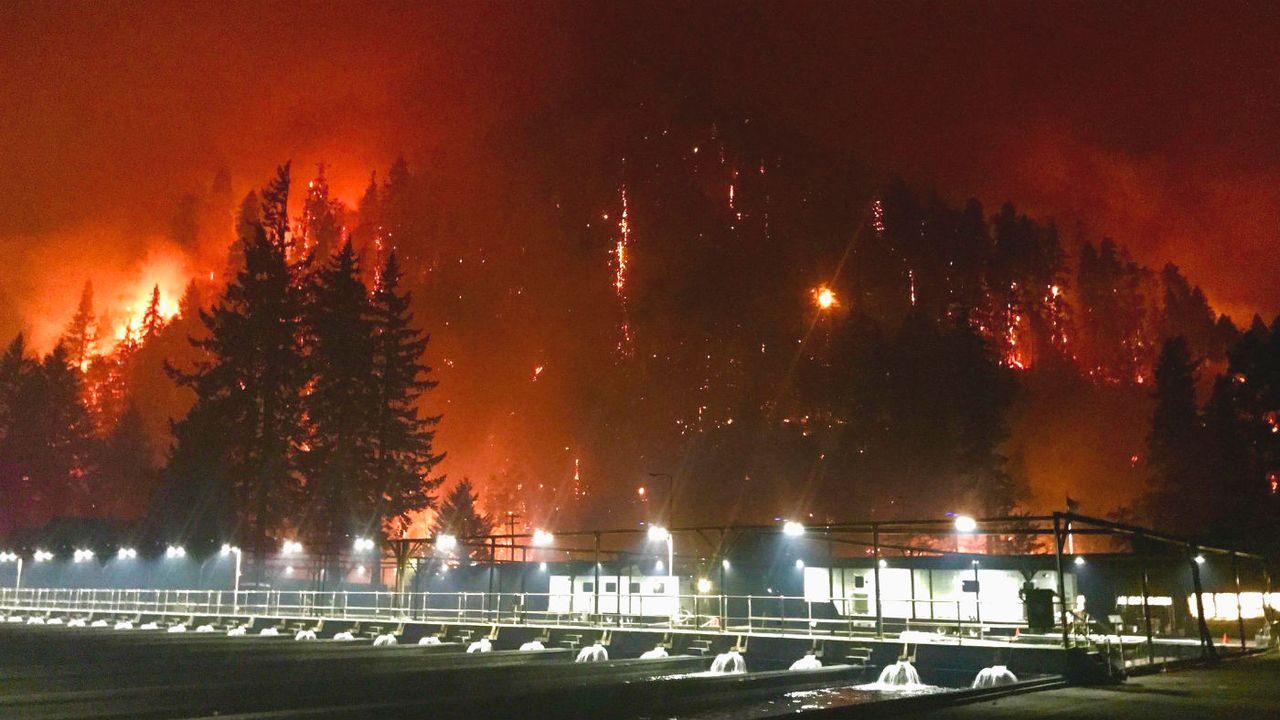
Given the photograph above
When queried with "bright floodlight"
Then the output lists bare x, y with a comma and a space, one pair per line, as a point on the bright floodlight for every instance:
657, 533
42, 555
175, 552
704, 585
364, 544
446, 542
228, 548
725, 563
965, 524
659, 566
81, 555
884, 563
791, 528
542, 567
824, 297
1079, 560
1199, 559
542, 538
8, 557
291, 547
799, 564
126, 553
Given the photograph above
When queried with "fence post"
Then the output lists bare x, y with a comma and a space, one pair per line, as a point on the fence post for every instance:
1235, 570
1206, 640
1146, 614
1062, 580
875, 545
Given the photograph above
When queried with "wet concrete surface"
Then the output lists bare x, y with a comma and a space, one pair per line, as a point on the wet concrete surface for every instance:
1241, 689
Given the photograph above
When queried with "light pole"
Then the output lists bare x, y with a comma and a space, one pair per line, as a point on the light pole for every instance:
14, 558
657, 533
228, 549
671, 493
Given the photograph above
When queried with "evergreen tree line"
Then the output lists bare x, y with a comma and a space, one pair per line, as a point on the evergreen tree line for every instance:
1215, 469
308, 421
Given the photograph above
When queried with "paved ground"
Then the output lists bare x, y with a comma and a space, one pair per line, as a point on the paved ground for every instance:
1237, 690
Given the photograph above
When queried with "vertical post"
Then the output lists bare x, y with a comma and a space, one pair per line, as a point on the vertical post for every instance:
1235, 570
1206, 641
595, 598
875, 548
1146, 615
493, 560
977, 599
1062, 581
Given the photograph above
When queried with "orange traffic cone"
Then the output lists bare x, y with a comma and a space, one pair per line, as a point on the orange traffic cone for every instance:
1017, 632
1224, 638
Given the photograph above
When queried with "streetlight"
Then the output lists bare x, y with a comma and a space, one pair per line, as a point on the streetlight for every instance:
364, 544
1079, 560
671, 492
658, 534
1199, 559
229, 549
824, 297
291, 547
13, 558
126, 553
175, 552
82, 555
965, 524
446, 542
41, 555
542, 538
704, 585
791, 528
799, 564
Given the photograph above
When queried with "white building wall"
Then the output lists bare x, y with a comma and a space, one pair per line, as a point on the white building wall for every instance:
935, 594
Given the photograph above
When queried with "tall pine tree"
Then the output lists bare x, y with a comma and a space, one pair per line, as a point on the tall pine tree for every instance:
249, 386
339, 460
81, 334
402, 433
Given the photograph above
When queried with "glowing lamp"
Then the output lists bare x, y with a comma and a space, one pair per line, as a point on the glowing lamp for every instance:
126, 553
791, 528
965, 524
704, 585
657, 533
542, 538
292, 547
1079, 560
446, 542
175, 552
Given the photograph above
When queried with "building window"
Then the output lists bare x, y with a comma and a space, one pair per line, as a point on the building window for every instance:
588, 587
611, 587
635, 588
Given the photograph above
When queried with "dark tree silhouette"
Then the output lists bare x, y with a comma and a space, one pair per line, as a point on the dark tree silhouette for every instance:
249, 384
458, 516
403, 434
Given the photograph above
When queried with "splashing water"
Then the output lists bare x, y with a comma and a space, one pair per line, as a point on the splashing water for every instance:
729, 662
808, 662
594, 653
994, 676
899, 674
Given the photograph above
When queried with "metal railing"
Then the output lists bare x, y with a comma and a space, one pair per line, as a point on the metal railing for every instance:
952, 620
